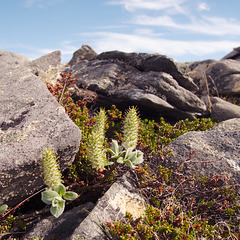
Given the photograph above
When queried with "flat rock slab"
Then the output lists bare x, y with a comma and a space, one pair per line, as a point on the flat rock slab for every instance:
122, 197
30, 121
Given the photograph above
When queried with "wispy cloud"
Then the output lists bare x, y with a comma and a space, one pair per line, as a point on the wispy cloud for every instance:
132, 5
206, 25
107, 41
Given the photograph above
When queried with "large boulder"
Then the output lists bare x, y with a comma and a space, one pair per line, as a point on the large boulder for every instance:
216, 151
128, 79
152, 62
30, 121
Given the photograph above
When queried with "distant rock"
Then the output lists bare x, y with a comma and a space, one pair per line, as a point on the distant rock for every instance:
223, 77
235, 54
82, 54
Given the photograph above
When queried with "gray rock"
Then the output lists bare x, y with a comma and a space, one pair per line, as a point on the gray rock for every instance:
47, 67
152, 62
118, 83
122, 197
235, 54
30, 120
45, 63
10, 61
82, 54
217, 151
59, 228
222, 110
222, 77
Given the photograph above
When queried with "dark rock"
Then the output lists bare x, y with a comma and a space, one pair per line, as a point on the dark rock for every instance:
82, 54
235, 54
119, 83
222, 77
217, 151
60, 228
152, 62
30, 120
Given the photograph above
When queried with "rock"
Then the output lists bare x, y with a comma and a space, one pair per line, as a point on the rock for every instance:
45, 63
217, 151
10, 61
82, 54
152, 62
121, 197
62, 227
222, 77
222, 110
119, 83
30, 120
235, 54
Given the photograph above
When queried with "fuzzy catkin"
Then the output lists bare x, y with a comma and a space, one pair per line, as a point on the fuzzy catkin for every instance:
130, 128
50, 169
97, 155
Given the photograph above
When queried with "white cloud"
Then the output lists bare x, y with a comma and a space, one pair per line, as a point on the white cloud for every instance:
132, 5
207, 25
106, 41
202, 6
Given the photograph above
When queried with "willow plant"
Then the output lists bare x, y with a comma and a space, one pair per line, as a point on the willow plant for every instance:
124, 154
56, 194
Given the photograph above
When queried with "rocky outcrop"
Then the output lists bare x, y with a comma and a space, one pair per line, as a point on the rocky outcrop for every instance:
150, 81
216, 151
30, 120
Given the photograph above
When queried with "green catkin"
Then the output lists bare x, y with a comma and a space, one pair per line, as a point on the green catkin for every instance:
130, 129
50, 169
97, 155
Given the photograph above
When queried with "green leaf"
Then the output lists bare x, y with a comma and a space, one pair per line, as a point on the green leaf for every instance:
120, 160
60, 189
69, 195
58, 207
3, 208
138, 158
48, 196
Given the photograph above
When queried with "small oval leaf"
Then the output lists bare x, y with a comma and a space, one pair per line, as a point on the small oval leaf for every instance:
48, 196
3, 208
69, 195
57, 210
60, 189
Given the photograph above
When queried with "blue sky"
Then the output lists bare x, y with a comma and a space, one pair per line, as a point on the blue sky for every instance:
185, 30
